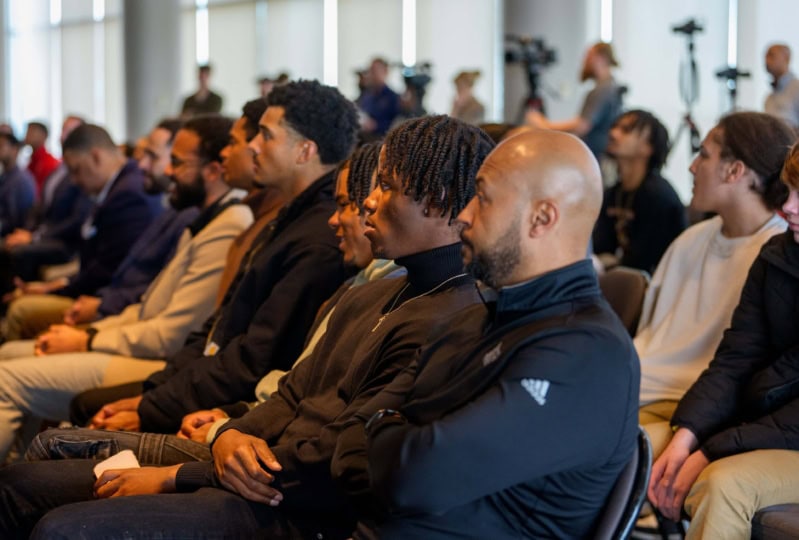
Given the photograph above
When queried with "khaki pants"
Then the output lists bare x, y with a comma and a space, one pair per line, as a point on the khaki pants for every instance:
730, 491
30, 315
41, 387
655, 418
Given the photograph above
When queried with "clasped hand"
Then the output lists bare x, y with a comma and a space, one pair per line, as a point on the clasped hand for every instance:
196, 425
143, 481
121, 415
243, 464
674, 472
60, 338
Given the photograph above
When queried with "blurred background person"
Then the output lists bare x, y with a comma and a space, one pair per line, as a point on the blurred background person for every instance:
783, 101
379, 102
204, 100
465, 106
601, 105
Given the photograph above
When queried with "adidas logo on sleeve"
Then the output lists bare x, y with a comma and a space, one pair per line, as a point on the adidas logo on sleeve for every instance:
537, 388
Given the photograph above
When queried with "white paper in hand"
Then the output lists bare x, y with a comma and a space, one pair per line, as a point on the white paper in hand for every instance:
126, 459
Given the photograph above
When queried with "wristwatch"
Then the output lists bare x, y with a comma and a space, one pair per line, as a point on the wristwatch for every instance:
380, 415
90, 332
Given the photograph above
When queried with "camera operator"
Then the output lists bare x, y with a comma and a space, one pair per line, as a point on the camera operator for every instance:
783, 102
601, 106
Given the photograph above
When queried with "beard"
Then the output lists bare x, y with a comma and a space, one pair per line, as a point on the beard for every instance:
187, 195
155, 185
586, 73
494, 265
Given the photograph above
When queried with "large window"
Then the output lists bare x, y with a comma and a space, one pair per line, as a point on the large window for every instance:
67, 56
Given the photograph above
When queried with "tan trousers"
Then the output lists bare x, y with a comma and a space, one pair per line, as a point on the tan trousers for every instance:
30, 315
655, 418
41, 387
730, 491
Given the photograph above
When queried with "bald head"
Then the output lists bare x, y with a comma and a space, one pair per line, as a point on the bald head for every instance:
778, 59
556, 167
541, 189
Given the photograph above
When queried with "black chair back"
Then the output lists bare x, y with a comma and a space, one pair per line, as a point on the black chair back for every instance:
624, 503
624, 289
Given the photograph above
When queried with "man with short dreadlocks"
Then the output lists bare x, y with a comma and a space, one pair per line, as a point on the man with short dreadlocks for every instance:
278, 454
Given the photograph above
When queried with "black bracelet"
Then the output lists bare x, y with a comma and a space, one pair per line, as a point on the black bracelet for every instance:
379, 415
90, 332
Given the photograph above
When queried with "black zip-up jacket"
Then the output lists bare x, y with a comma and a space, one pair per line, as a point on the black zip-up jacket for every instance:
372, 335
748, 397
520, 433
293, 267
656, 217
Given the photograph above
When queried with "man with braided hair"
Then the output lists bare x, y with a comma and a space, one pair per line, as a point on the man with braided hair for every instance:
278, 454
518, 429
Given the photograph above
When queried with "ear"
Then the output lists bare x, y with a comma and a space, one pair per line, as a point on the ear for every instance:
543, 217
96, 156
212, 172
735, 171
308, 150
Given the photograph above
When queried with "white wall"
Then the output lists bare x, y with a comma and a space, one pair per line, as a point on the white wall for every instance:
367, 29
454, 35
294, 38
233, 60
650, 55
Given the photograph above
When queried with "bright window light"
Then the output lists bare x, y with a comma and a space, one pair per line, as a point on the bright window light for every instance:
732, 34
98, 10
606, 17
55, 12
409, 32
201, 24
330, 42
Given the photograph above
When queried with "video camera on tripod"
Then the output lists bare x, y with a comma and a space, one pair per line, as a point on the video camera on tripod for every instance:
689, 85
730, 76
416, 78
534, 55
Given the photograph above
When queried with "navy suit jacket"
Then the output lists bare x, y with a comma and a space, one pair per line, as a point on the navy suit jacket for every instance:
63, 216
112, 230
146, 259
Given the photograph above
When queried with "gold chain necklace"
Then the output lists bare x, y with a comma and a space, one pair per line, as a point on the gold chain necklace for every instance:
431, 291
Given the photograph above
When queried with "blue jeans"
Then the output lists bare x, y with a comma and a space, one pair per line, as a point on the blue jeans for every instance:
150, 448
61, 492
54, 500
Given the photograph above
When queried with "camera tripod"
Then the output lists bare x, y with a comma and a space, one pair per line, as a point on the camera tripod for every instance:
730, 76
689, 88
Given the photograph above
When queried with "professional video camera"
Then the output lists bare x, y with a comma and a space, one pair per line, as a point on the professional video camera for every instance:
416, 78
689, 27
730, 76
534, 55
528, 50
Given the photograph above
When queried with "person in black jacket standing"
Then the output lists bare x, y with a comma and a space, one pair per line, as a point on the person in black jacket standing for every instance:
521, 431
736, 437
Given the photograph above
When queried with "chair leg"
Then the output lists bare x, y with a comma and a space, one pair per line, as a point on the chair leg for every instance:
667, 527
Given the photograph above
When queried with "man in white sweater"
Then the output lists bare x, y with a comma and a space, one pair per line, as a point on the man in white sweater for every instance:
130, 346
698, 282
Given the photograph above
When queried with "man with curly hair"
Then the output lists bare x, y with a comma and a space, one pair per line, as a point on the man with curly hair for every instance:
293, 266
